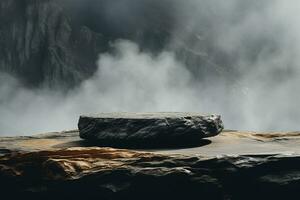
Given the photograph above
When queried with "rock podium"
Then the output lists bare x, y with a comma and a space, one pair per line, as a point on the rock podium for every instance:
142, 130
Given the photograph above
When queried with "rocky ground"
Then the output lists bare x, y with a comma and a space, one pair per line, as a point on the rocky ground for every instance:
233, 165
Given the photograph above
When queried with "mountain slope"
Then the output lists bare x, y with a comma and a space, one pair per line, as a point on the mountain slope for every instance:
40, 45
56, 43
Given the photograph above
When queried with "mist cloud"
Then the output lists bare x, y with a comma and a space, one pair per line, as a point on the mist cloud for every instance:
127, 80
258, 89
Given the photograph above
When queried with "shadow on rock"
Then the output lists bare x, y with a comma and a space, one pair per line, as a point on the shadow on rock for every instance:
136, 145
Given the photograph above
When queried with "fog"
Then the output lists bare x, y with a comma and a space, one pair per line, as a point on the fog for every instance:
256, 45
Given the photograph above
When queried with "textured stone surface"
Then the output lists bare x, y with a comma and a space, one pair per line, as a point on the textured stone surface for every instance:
227, 143
107, 173
235, 165
41, 45
144, 130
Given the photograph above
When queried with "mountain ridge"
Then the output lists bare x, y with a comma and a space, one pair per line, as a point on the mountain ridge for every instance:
57, 43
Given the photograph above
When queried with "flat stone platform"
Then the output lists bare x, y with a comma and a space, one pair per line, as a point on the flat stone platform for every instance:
144, 130
227, 143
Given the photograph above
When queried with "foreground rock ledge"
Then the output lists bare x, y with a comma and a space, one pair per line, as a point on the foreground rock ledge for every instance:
235, 165
106, 173
144, 130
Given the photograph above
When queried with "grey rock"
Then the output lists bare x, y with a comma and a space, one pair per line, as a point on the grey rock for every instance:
57, 42
62, 166
42, 46
149, 129
106, 173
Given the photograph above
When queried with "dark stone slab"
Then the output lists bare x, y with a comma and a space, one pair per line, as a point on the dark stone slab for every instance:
143, 130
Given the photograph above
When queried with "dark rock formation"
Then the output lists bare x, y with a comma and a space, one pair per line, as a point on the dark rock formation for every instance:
143, 130
54, 43
86, 173
62, 166
40, 45
57, 42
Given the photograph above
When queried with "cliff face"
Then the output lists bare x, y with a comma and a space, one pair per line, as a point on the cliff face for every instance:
40, 45
56, 43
